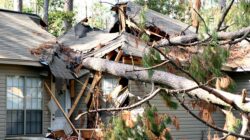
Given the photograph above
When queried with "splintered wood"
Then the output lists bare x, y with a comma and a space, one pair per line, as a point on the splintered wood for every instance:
78, 97
96, 79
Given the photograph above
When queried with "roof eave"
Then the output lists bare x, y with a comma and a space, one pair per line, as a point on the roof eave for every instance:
21, 62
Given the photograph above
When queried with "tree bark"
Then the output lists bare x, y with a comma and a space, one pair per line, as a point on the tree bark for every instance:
68, 7
46, 11
164, 78
194, 37
18, 5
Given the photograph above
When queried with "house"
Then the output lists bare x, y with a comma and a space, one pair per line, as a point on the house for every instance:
23, 102
125, 47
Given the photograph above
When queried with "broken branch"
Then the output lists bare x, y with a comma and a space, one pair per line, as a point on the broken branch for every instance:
224, 15
122, 108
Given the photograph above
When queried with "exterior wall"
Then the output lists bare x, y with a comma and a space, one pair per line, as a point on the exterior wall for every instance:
242, 80
6, 70
190, 128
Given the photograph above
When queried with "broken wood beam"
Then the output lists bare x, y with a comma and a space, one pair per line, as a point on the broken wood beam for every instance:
122, 18
119, 55
97, 78
60, 107
129, 60
78, 97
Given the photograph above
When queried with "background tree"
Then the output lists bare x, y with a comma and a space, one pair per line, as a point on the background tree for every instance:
68, 7
46, 11
18, 5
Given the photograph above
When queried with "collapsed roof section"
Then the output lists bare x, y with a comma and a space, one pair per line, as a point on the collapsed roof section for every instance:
154, 19
239, 58
157, 25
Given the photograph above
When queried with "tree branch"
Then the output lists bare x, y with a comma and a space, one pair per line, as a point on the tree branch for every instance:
202, 21
188, 40
149, 97
153, 67
152, 95
224, 15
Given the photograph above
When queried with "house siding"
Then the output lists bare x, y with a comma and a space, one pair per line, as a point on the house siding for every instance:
6, 70
190, 128
242, 80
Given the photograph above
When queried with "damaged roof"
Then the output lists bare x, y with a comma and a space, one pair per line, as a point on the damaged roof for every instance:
96, 43
84, 38
19, 34
153, 18
239, 58
59, 69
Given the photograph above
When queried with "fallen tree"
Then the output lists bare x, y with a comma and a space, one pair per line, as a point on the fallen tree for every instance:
193, 39
206, 93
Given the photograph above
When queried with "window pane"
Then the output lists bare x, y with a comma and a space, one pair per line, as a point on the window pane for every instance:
39, 104
39, 93
15, 122
34, 92
9, 81
34, 103
34, 125
15, 95
34, 82
9, 98
28, 82
15, 82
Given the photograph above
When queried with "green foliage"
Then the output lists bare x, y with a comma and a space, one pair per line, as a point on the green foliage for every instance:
119, 131
239, 15
100, 15
168, 101
6, 4
56, 5
236, 127
208, 64
28, 10
167, 7
151, 125
142, 17
56, 19
151, 58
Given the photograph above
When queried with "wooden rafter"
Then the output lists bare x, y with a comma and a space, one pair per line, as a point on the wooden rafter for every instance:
78, 97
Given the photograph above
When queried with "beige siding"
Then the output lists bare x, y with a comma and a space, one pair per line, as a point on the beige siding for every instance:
6, 70
190, 128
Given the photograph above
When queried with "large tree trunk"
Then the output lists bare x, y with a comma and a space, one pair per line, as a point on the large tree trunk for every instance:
164, 78
46, 11
18, 5
68, 7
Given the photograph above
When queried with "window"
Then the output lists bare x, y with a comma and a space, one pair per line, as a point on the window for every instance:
24, 105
